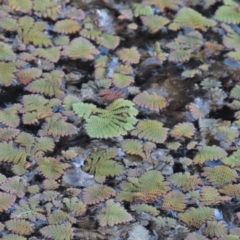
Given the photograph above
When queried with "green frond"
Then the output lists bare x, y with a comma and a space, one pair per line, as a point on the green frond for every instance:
232, 41
196, 111
13, 237
80, 48
108, 41
51, 168
210, 195
139, 208
196, 216
6, 52
97, 193
43, 144
232, 190
235, 92
209, 153
190, 73
233, 160
150, 130
57, 127
129, 55
25, 76
7, 71
133, 147
195, 236
14, 185
46, 9
9, 153
138, 232
189, 18
6, 201
124, 69
235, 55
227, 134
141, 10
162, 4
112, 214
9, 24
209, 83
145, 189
19, 226
50, 184
61, 40
23, 6
185, 181
215, 229
228, 14
183, 130
58, 232
29, 211
101, 165
151, 101
7, 134
51, 54
92, 34
219, 175
174, 201
75, 206
115, 120
180, 55
50, 84
68, 102
121, 80
59, 216
154, 23
165, 222
9, 116
67, 26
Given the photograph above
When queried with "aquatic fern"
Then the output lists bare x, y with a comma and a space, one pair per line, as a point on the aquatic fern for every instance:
183, 130
58, 232
133, 147
7, 134
150, 130
9, 24
59, 216
67, 26
195, 236
19, 226
235, 55
101, 165
209, 153
80, 48
51, 54
7, 71
232, 40
228, 14
75, 206
6, 201
139, 208
189, 18
142, 10
108, 41
9, 116
129, 55
14, 185
115, 120
162, 4
233, 160
6, 52
97, 193
112, 214
197, 216
215, 229
235, 92
23, 6
121, 80
25, 76
232, 190
154, 23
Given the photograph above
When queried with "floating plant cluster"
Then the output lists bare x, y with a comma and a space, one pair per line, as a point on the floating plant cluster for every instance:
119, 120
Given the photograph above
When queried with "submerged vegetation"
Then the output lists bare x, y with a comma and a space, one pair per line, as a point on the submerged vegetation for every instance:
119, 119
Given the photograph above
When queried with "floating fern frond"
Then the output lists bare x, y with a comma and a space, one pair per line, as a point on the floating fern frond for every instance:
133, 147
183, 130
61, 40
235, 55
129, 55
112, 214
6, 53
80, 48
23, 6
51, 54
108, 41
233, 160
14, 186
67, 26
59, 216
19, 226
175, 201
189, 18
7, 134
73, 13
150, 101
232, 190
154, 23
141, 10
9, 24
97, 193
139, 208
162, 4
228, 14
215, 229
150, 130
121, 80
7, 73
6, 201
25, 76
209, 153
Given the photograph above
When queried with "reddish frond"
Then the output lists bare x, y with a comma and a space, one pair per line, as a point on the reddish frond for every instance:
108, 41
232, 40
196, 216
23, 6
51, 54
51, 168
152, 101
19, 226
150, 130
112, 214
219, 175
232, 190
162, 4
139, 208
121, 80
209, 153
74, 13
25, 76
108, 96
154, 23
183, 130
50, 184
67, 26
97, 193
50, 85
80, 48
7, 134
57, 232
174, 201
196, 111
215, 229
129, 55
14, 186
185, 181
6, 52
7, 71
6, 201
134, 147
57, 127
